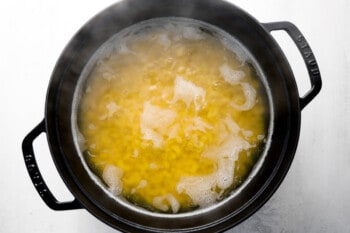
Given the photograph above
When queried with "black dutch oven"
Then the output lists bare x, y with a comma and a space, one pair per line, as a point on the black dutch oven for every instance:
285, 105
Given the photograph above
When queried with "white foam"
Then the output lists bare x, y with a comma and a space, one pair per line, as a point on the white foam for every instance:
159, 203
225, 172
235, 77
201, 189
112, 177
156, 117
230, 148
112, 108
198, 124
232, 125
230, 75
154, 123
174, 203
188, 92
149, 134
250, 98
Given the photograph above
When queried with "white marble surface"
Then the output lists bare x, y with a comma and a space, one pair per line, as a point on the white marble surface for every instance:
314, 196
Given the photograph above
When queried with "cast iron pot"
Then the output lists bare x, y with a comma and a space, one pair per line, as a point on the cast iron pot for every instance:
285, 105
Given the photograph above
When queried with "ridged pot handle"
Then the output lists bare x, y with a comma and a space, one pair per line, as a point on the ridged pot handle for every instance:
35, 175
307, 54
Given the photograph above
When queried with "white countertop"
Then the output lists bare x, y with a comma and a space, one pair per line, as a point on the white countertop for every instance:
314, 197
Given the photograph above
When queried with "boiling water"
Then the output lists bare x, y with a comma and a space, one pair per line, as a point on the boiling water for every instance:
171, 115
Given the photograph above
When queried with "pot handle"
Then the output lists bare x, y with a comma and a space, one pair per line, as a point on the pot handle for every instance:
307, 54
35, 175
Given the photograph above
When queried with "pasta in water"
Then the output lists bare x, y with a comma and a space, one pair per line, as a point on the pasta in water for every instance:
171, 118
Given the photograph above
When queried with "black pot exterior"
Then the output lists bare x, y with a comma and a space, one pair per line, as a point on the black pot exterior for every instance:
285, 106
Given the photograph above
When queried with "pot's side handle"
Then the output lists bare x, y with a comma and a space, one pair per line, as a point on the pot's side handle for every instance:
307, 54
35, 175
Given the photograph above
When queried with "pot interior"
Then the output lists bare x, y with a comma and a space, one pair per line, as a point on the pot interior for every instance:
169, 30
